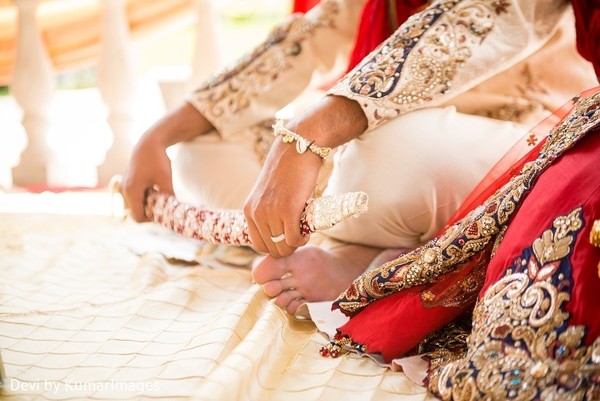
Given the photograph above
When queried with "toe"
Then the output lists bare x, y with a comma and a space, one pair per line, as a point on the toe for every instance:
293, 306
268, 269
273, 288
285, 298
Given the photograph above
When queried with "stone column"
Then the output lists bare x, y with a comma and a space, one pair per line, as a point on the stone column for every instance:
33, 87
207, 52
116, 82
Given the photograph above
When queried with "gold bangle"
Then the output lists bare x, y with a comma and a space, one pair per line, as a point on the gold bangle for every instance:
302, 144
595, 234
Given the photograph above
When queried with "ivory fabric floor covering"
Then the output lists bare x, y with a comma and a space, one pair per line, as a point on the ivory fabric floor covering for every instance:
82, 316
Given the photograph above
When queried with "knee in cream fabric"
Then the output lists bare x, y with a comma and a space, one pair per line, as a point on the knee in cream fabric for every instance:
214, 172
416, 169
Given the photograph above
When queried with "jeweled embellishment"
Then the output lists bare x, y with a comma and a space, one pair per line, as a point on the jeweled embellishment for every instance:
521, 347
302, 144
232, 90
230, 227
539, 369
340, 345
596, 353
420, 61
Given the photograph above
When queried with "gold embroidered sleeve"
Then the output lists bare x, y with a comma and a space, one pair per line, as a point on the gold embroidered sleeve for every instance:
445, 50
277, 71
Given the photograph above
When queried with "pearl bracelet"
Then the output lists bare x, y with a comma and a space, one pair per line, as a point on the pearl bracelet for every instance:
302, 144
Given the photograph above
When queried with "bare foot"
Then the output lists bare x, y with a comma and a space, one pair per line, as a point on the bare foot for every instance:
312, 274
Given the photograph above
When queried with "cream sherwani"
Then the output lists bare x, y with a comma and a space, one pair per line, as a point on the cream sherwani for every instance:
445, 97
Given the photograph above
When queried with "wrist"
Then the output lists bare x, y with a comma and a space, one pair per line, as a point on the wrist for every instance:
333, 121
286, 154
155, 138
301, 144
181, 125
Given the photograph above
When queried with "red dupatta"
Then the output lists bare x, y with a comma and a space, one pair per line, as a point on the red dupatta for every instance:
379, 19
587, 25
394, 325
302, 6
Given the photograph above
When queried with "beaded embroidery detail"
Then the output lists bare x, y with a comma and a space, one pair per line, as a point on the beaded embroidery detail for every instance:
477, 231
229, 227
420, 60
521, 347
231, 90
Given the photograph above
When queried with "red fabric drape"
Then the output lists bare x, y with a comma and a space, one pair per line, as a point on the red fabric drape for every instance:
302, 6
579, 177
394, 325
377, 24
587, 24
512, 162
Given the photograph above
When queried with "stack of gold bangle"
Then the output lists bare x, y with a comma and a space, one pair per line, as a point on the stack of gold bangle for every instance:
302, 144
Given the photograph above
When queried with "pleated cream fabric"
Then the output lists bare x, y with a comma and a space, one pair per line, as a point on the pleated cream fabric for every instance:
84, 317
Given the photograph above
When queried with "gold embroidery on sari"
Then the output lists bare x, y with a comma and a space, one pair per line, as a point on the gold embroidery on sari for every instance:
478, 230
461, 293
529, 89
448, 343
498, 240
521, 347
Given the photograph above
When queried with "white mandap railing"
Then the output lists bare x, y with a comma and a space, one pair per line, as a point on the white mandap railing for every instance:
29, 155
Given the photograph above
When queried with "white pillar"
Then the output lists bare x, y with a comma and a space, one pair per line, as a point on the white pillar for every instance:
33, 87
207, 52
116, 82
13, 139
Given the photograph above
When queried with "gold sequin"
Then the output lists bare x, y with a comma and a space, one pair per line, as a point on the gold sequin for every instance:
420, 60
324, 212
232, 90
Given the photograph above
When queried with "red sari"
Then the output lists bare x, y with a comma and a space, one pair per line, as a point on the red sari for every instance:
394, 325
